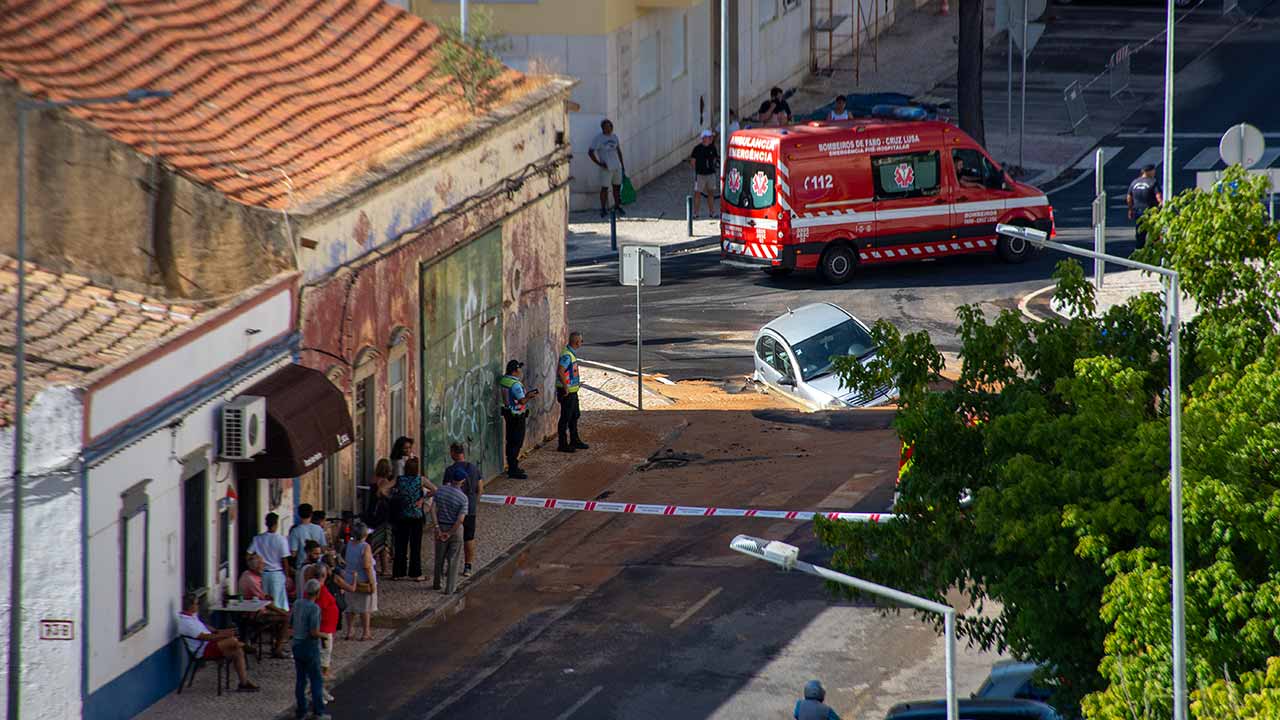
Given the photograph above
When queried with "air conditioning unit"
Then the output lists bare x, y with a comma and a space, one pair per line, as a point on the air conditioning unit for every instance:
244, 428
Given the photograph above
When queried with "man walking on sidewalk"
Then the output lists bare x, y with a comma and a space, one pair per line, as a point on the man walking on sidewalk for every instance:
450, 512
1144, 193
567, 383
514, 414
606, 152
705, 160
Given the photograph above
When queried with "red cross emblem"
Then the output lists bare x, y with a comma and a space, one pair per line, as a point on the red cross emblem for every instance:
735, 180
759, 184
904, 176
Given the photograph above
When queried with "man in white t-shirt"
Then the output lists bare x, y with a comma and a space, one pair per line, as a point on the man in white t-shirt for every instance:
606, 152
206, 643
274, 551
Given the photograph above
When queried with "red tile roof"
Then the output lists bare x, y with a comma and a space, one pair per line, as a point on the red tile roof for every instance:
75, 328
273, 100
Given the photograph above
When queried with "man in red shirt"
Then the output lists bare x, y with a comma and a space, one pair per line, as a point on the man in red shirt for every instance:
329, 615
272, 617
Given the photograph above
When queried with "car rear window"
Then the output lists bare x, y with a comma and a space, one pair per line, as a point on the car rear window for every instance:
749, 185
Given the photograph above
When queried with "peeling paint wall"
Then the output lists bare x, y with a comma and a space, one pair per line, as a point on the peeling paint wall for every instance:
88, 211
51, 574
356, 309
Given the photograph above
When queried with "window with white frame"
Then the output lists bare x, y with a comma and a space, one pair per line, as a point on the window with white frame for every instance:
134, 526
647, 66
679, 45
766, 10
396, 395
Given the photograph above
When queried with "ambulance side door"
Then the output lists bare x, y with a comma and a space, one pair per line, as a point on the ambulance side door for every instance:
980, 194
912, 202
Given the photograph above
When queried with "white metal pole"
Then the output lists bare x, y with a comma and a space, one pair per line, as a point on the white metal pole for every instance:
1175, 500
1167, 156
462, 22
639, 344
1100, 228
1022, 124
953, 708
724, 84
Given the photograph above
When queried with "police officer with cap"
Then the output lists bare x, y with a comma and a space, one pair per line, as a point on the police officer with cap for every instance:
515, 413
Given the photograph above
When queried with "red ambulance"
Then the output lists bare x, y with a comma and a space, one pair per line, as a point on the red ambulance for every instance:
835, 196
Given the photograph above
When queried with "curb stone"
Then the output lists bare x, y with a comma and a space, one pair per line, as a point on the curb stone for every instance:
669, 249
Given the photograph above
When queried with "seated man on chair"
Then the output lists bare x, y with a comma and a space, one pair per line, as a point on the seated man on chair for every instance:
250, 586
212, 644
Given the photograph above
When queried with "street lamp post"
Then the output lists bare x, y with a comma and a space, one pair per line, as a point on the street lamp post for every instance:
1173, 316
1167, 173
787, 557
19, 384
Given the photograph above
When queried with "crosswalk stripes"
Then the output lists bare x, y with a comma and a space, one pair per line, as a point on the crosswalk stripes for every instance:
1108, 154
1204, 160
1152, 156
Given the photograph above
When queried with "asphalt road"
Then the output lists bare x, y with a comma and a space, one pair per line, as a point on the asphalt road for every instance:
631, 617
701, 321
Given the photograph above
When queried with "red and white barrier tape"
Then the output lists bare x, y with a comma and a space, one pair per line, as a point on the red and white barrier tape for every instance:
677, 510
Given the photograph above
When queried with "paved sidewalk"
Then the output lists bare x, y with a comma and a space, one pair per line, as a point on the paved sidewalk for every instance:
657, 217
1118, 287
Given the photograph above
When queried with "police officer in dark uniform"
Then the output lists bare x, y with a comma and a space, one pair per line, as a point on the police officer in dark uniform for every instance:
1144, 193
515, 413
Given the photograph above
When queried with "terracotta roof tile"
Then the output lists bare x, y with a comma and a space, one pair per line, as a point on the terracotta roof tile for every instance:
74, 328
273, 100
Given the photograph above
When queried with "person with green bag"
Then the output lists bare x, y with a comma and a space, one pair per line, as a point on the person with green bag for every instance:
606, 152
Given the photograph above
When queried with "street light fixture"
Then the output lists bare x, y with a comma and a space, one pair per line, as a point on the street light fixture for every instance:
1173, 317
787, 557
20, 367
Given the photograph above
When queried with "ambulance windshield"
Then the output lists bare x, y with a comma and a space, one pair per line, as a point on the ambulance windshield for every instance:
749, 185
816, 354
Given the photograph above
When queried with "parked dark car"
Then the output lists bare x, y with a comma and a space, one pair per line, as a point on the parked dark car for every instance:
974, 710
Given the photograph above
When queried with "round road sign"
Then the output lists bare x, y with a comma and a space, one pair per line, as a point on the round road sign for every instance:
1242, 145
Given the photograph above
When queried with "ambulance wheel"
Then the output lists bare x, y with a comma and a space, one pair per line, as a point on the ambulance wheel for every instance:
837, 264
777, 272
1013, 250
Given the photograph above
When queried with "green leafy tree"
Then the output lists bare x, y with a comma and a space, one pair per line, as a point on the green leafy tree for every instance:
1059, 432
472, 61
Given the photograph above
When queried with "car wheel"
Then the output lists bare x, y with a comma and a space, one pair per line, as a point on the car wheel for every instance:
837, 265
777, 272
1013, 250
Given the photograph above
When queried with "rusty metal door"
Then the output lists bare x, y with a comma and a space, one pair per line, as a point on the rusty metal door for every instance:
462, 355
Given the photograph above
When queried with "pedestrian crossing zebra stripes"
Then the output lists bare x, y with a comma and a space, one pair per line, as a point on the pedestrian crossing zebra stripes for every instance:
1190, 155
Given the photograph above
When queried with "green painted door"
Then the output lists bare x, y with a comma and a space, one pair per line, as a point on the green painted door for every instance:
462, 355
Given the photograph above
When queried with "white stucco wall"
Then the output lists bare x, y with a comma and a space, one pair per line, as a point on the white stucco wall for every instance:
155, 457
658, 128
51, 555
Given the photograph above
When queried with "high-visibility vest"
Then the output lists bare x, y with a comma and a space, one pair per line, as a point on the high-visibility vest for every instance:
574, 381
513, 406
